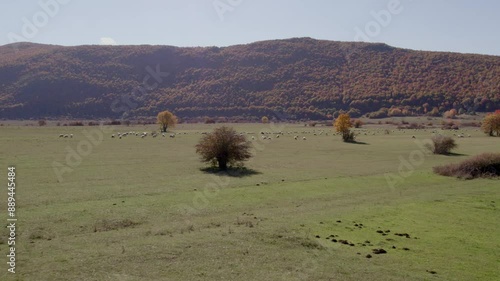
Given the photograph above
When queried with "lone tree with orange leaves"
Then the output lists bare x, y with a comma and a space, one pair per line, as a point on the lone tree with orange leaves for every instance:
225, 147
491, 124
343, 125
166, 119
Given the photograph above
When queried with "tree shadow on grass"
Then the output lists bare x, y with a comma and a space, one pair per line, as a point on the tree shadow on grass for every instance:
358, 142
234, 172
453, 154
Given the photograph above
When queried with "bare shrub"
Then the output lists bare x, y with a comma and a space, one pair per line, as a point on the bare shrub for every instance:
442, 145
224, 146
76, 123
42, 123
416, 126
471, 124
109, 224
485, 165
209, 121
358, 124
449, 125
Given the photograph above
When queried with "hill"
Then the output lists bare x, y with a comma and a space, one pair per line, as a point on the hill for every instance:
297, 78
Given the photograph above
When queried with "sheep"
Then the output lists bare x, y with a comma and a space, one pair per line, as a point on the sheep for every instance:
172, 135
413, 137
66, 136
71, 135
61, 135
303, 138
253, 138
295, 137
113, 136
143, 136
163, 134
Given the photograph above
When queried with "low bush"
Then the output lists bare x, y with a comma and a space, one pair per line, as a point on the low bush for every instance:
449, 126
76, 123
382, 113
486, 165
358, 123
442, 145
349, 137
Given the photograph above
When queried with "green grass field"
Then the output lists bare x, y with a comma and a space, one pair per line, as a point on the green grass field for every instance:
141, 209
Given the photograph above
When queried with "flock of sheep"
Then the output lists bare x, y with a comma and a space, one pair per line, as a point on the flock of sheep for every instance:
264, 135
66, 135
269, 135
140, 134
276, 135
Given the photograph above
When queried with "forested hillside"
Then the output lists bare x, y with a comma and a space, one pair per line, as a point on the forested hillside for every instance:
299, 78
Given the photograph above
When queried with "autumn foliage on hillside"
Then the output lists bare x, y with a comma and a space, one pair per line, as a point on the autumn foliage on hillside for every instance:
296, 78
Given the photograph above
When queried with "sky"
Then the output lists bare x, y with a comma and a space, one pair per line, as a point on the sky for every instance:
464, 26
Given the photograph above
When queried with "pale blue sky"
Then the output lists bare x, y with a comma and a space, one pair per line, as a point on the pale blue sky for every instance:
467, 26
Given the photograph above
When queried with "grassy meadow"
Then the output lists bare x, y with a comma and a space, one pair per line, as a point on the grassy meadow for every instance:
142, 209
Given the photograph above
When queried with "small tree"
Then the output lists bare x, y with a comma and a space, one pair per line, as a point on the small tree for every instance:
442, 145
434, 112
491, 124
451, 114
358, 124
42, 123
343, 125
225, 147
166, 119
265, 120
